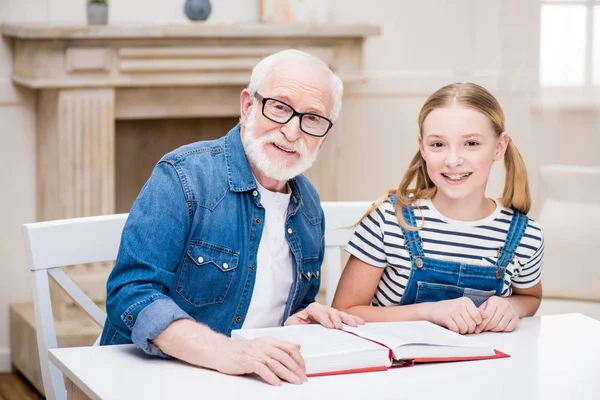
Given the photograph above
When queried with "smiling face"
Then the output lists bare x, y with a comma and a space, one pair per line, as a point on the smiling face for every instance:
283, 151
459, 146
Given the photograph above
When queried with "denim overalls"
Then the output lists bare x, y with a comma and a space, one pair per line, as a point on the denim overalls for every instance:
435, 280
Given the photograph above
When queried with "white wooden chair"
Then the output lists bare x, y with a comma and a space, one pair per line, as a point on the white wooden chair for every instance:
339, 218
55, 244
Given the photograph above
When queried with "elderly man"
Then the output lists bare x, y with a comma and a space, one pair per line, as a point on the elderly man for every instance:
228, 234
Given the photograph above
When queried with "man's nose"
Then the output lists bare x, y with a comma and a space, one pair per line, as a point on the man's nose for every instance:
291, 130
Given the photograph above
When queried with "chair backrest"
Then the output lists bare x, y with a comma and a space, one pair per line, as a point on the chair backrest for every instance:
55, 244
570, 221
339, 218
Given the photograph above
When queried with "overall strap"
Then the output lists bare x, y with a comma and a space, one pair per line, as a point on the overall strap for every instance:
513, 238
412, 240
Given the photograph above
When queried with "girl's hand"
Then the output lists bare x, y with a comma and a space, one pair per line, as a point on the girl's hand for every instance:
459, 315
498, 314
327, 316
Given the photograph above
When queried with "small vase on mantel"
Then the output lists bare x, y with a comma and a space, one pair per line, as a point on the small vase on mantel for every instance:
97, 12
197, 10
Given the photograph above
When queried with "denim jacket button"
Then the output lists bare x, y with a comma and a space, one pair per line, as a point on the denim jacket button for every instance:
317, 274
238, 318
257, 220
418, 262
130, 318
290, 231
200, 260
308, 275
499, 273
255, 193
252, 268
225, 265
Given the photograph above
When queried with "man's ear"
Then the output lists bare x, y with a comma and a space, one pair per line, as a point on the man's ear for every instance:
326, 136
245, 104
323, 141
501, 147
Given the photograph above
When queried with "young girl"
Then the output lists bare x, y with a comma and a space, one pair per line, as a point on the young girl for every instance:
442, 251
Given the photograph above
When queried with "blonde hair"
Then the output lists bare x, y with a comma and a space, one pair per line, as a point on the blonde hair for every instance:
516, 188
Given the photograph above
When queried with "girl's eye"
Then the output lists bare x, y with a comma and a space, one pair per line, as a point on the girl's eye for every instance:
437, 145
472, 143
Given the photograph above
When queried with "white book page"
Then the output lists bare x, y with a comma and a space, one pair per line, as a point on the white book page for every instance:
397, 334
316, 340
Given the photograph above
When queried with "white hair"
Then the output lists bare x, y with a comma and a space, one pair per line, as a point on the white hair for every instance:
293, 56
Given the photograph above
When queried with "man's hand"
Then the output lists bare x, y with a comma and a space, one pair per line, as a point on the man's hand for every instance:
327, 316
498, 315
270, 358
459, 315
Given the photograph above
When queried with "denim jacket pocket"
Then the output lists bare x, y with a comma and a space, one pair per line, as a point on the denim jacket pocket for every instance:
206, 274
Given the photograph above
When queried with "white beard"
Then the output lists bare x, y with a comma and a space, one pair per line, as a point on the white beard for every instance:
271, 168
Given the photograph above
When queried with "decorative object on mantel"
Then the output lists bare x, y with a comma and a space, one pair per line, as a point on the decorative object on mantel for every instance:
97, 12
307, 11
197, 10
274, 11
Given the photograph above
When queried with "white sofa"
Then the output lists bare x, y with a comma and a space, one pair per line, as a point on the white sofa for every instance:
570, 220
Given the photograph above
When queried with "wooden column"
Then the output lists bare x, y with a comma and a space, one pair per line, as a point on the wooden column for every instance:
76, 172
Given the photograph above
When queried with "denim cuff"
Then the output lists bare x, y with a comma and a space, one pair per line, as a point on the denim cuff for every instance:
152, 320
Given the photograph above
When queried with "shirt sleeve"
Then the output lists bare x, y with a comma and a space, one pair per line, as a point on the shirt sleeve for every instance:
152, 245
154, 319
366, 243
530, 273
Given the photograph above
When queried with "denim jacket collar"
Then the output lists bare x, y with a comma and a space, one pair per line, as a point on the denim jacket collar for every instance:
238, 169
239, 173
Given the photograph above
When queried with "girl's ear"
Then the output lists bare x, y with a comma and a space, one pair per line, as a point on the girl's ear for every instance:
501, 147
421, 148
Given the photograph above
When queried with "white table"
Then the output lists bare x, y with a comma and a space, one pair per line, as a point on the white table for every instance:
552, 357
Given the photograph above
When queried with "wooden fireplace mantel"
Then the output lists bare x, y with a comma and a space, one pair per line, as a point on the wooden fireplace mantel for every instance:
88, 77
206, 54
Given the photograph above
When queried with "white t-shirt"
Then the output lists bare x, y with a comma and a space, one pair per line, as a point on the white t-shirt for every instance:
274, 269
378, 241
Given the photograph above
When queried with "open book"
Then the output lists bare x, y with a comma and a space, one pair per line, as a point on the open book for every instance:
374, 346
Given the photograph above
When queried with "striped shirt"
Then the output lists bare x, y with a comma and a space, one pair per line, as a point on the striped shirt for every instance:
378, 241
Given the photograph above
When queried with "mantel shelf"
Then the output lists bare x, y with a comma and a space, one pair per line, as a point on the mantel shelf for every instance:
189, 30
172, 55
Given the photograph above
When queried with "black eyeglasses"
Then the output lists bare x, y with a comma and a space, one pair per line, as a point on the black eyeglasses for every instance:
282, 113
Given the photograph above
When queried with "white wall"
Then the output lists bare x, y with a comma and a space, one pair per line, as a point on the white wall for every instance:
17, 173
424, 45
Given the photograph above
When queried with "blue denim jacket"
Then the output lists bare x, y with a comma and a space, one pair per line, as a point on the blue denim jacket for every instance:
190, 245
